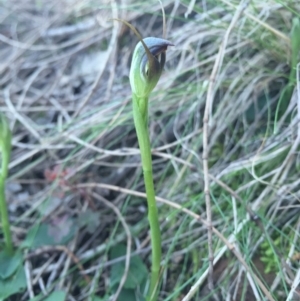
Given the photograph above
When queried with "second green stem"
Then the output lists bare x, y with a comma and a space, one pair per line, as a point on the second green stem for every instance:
5, 149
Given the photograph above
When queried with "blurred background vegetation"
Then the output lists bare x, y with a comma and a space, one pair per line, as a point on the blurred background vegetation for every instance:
75, 188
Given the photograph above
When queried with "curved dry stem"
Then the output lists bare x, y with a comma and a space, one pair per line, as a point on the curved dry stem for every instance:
151, 58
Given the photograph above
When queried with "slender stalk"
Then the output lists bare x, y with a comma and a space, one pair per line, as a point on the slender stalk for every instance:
5, 147
141, 126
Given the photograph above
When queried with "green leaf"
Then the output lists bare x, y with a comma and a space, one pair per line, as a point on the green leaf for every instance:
30, 237
54, 296
89, 219
130, 294
9, 264
37, 298
13, 285
62, 230
127, 294
49, 235
49, 205
57, 296
96, 298
137, 270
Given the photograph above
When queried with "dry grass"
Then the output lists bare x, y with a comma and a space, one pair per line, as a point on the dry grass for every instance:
65, 89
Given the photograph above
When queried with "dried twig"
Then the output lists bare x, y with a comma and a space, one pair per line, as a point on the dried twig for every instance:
27, 268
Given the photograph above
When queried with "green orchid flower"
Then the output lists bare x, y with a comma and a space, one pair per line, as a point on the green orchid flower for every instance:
147, 64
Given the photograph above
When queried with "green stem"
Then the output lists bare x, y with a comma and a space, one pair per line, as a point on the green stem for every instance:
140, 108
3, 207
